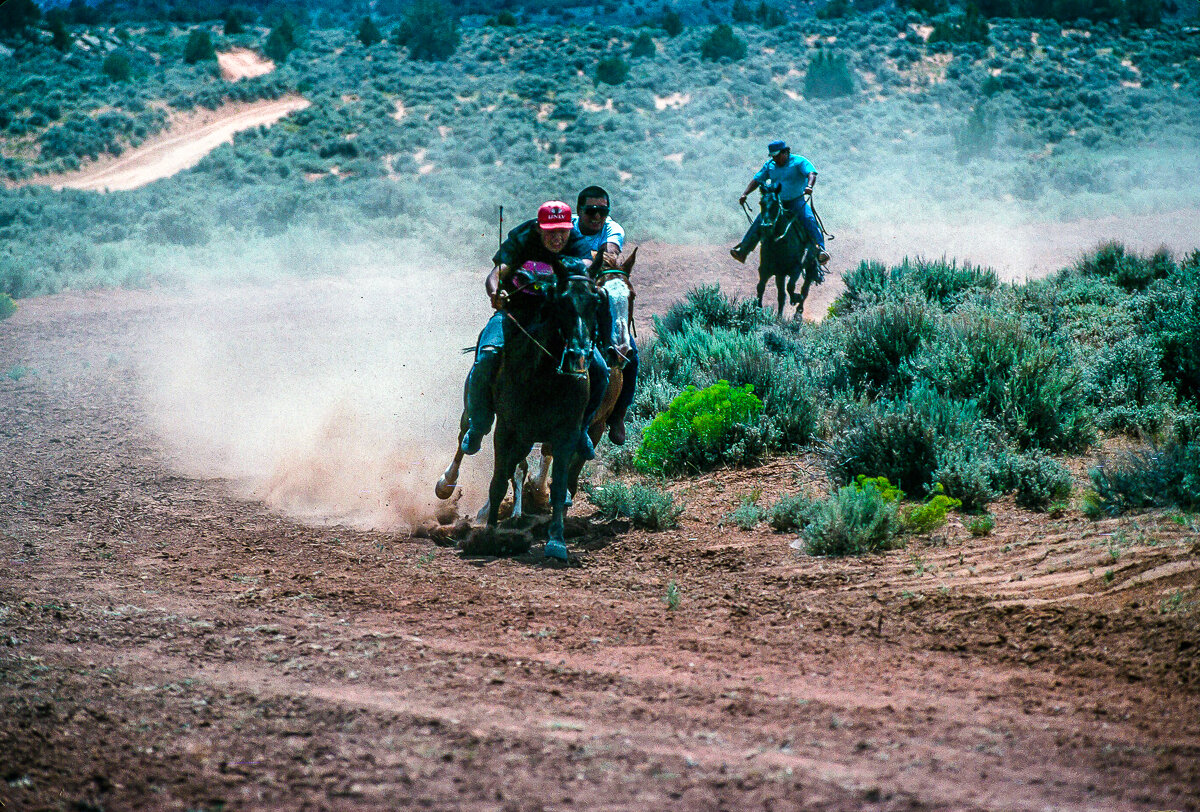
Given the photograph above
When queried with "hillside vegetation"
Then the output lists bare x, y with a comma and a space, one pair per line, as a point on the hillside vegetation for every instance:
906, 112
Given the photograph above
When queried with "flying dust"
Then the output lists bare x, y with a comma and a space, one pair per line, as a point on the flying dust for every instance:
333, 401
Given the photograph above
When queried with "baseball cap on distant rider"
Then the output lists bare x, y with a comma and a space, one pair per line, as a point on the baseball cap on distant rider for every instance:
776, 147
553, 215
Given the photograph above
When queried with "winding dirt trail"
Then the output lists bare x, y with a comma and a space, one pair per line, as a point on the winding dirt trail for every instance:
180, 147
168, 642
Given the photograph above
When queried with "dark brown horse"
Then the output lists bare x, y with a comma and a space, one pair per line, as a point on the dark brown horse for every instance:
787, 253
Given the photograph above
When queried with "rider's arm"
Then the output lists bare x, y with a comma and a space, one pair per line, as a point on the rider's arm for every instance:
612, 255
750, 187
492, 283
810, 182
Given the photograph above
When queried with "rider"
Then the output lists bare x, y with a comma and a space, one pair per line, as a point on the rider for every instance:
545, 242
601, 231
796, 177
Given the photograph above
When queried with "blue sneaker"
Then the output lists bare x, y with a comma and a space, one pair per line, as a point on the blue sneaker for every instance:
556, 550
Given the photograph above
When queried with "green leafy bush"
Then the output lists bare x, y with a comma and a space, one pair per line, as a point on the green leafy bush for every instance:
790, 513
1040, 481
982, 525
1148, 477
748, 514
880, 339
612, 70
969, 26
855, 520
722, 43
646, 506
199, 47
828, 76
925, 518
700, 429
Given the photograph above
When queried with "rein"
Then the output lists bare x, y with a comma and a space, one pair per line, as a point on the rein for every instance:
537, 343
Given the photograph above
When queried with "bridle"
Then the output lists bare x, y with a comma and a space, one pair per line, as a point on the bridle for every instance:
624, 277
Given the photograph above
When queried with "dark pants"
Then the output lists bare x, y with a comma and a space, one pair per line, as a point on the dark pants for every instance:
797, 206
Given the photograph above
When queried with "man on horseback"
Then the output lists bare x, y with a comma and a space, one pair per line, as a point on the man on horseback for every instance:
532, 251
602, 232
796, 177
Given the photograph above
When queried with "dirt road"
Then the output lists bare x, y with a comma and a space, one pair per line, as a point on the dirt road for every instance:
190, 138
168, 642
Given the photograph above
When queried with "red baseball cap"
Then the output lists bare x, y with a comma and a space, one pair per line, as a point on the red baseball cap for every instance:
554, 214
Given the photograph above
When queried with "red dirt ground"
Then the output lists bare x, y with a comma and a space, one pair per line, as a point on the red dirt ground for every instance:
167, 643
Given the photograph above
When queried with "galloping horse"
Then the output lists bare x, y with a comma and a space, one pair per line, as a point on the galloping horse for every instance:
787, 252
540, 392
615, 286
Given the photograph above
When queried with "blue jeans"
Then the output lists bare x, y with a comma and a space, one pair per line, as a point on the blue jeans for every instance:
797, 206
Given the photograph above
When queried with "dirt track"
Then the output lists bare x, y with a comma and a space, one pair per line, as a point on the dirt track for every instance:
166, 643
190, 138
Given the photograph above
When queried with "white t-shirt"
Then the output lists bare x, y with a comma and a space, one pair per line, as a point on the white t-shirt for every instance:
611, 232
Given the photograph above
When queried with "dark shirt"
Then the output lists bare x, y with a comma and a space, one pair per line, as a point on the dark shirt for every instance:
523, 244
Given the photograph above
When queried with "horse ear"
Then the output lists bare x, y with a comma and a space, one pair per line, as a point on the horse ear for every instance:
627, 265
597, 263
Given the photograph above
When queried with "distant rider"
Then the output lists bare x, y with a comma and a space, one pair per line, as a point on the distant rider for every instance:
530, 251
601, 231
796, 177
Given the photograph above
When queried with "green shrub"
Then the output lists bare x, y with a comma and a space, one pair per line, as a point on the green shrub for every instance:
1130, 271
971, 472
748, 514
7, 306
672, 23
199, 47
942, 282
612, 70
707, 305
1040, 481
880, 339
1171, 318
927, 517
368, 32
1148, 477
643, 46
977, 136
234, 24
790, 513
899, 439
702, 428
853, 521
116, 66
828, 76
982, 525
647, 507
969, 26
722, 43
1124, 381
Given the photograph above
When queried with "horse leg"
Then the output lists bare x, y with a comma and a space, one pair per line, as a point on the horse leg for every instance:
556, 543
539, 483
779, 280
518, 484
762, 284
445, 486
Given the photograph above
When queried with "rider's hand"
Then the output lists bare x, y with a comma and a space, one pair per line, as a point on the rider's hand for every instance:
742, 200
500, 299
611, 261
808, 190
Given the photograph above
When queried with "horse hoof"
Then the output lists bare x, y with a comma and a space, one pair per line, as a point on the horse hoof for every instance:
556, 550
443, 490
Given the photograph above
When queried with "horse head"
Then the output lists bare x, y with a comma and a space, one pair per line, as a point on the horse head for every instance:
770, 205
618, 292
574, 309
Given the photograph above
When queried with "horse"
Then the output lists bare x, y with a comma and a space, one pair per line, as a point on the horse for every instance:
787, 252
540, 392
618, 292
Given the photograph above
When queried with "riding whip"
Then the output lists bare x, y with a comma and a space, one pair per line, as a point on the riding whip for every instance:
501, 235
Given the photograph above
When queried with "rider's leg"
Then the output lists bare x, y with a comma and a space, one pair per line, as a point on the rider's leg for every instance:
480, 411
597, 383
803, 209
748, 242
616, 421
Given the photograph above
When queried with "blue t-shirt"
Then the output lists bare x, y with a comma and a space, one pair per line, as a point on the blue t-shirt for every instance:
792, 176
611, 232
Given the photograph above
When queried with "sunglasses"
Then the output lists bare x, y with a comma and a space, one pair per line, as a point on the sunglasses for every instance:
601, 210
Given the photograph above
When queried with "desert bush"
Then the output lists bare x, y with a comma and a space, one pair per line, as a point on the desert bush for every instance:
929, 516
881, 339
972, 470
199, 47
1148, 477
117, 67
967, 26
1130, 271
700, 429
1124, 381
612, 70
643, 46
1171, 318
790, 513
646, 506
748, 514
672, 23
828, 76
368, 32
1040, 480
722, 43
7, 306
856, 519
942, 282
982, 525
707, 305
15, 15
899, 439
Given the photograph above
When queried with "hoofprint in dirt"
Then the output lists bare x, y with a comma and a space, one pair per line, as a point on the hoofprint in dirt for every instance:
168, 643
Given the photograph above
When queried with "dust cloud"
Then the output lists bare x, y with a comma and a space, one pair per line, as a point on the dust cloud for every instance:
333, 401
